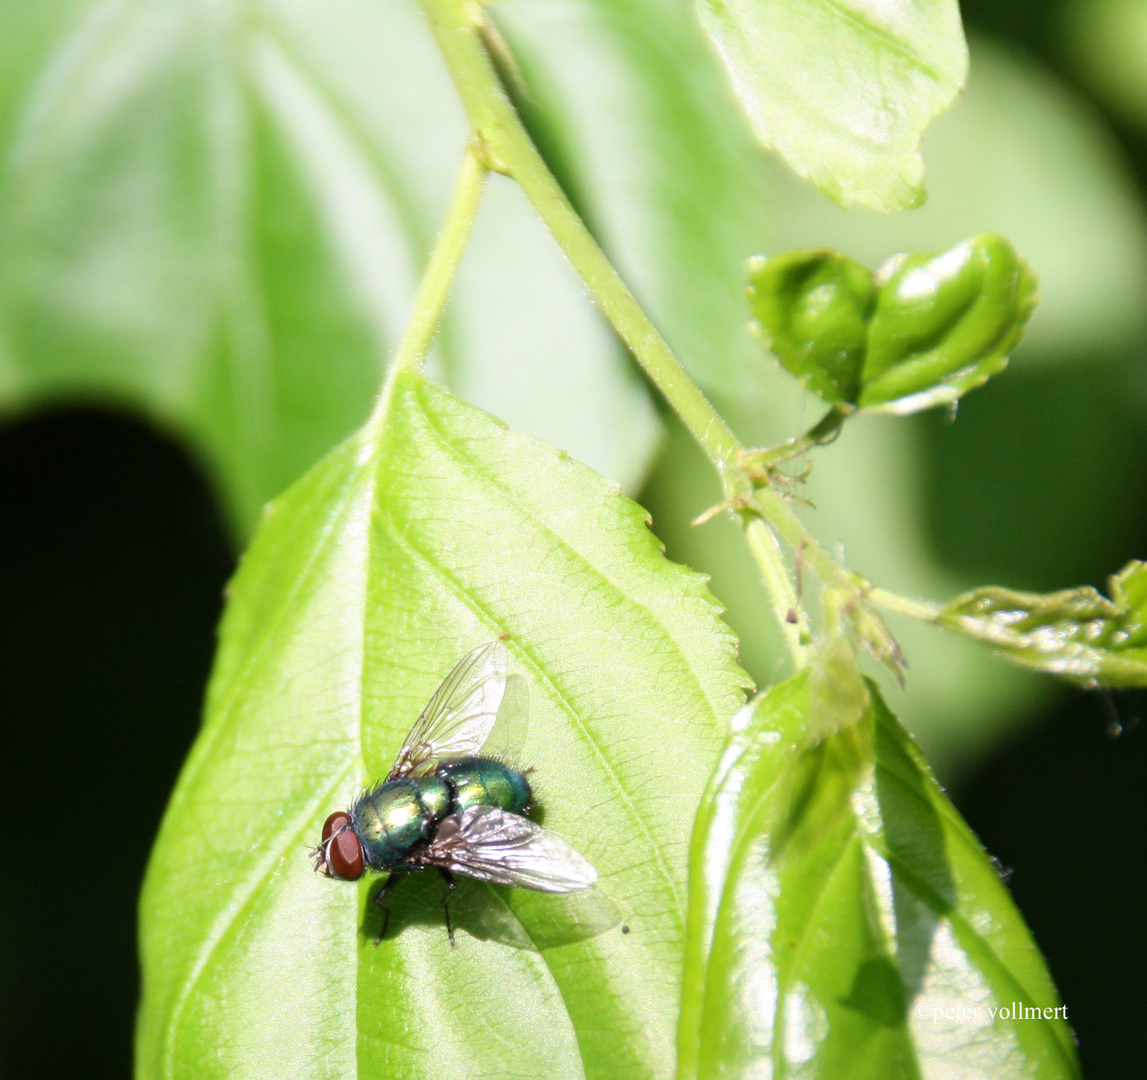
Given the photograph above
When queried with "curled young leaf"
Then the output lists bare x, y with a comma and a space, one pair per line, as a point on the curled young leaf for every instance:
944, 323
921, 332
1076, 633
843, 920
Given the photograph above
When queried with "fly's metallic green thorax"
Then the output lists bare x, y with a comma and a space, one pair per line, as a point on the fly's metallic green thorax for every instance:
485, 782
395, 817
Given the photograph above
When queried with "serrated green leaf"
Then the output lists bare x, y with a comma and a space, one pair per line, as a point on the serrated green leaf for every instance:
430, 533
216, 213
843, 920
844, 90
1076, 633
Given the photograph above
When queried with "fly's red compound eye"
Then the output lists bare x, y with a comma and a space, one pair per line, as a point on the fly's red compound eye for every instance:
335, 823
344, 855
341, 846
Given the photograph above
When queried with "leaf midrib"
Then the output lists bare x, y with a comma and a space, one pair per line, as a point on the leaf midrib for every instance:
882, 36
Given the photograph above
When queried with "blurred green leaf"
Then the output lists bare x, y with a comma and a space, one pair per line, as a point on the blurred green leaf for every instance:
216, 213
837, 695
1108, 39
922, 331
411, 543
843, 920
1075, 633
524, 341
844, 90
1020, 155
633, 112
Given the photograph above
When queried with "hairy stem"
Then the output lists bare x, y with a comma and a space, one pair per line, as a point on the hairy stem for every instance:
924, 610
786, 603
822, 432
792, 531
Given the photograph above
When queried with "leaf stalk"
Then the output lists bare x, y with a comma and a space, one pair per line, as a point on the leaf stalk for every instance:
924, 610
434, 288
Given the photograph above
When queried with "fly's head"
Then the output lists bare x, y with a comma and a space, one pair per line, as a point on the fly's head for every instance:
339, 854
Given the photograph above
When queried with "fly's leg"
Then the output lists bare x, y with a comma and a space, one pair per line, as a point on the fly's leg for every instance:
451, 885
385, 891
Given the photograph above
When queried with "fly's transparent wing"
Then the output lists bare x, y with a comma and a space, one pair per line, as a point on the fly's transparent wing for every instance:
492, 845
458, 718
508, 737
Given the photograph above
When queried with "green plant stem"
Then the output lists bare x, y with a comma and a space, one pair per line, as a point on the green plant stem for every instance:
786, 603
456, 25
792, 531
924, 610
823, 431
434, 288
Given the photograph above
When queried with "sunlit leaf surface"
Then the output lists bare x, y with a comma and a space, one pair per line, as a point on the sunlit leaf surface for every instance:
844, 921
433, 532
844, 90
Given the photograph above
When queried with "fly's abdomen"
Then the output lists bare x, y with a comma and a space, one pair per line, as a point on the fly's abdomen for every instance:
395, 817
485, 782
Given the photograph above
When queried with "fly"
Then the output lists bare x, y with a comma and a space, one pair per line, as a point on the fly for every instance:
442, 805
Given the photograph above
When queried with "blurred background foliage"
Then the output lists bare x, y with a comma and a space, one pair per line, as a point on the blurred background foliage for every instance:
212, 217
